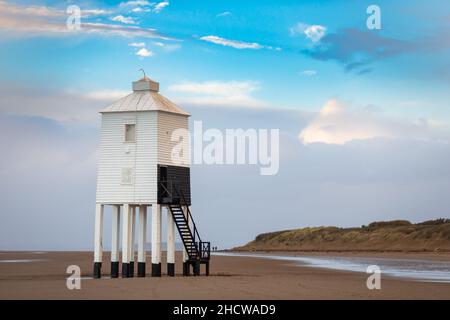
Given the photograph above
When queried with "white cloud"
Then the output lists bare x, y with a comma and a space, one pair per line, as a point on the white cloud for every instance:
140, 9
94, 12
232, 43
126, 20
33, 21
137, 44
237, 44
308, 73
315, 33
106, 95
79, 107
160, 6
40, 11
44, 11
168, 47
334, 124
273, 48
125, 31
218, 93
144, 53
33, 27
337, 123
312, 32
145, 6
224, 14
135, 3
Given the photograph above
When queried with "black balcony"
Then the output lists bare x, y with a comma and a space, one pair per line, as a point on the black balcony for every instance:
170, 177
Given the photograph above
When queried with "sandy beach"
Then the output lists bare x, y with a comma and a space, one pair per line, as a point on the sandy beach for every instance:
43, 277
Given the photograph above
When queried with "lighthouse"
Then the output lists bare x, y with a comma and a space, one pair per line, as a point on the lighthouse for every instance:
139, 177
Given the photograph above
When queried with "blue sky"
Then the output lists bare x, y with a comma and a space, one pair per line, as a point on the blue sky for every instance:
83, 62
364, 114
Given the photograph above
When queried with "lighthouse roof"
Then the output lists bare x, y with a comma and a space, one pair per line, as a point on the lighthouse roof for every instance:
145, 97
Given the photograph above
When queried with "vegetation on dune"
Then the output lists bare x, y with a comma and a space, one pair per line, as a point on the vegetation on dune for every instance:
398, 235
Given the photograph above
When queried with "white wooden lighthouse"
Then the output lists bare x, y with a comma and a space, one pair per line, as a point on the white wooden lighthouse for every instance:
137, 174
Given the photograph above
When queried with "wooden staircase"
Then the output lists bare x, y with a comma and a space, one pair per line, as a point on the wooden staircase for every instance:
198, 251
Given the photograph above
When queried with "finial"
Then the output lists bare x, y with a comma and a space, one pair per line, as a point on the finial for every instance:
143, 71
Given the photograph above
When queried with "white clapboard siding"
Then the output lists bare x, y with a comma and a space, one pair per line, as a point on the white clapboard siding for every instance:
142, 158
167, 122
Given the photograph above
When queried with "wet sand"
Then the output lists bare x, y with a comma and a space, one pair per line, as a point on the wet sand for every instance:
231, 278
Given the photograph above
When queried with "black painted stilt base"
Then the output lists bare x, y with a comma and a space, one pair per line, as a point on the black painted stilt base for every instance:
125, 271
114, 269
131, 270
207, 269
197, 268
141, 269
171, 269
97, 270
186, 271
156, 269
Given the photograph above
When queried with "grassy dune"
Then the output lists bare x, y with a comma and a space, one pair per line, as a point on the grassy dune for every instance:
399, 235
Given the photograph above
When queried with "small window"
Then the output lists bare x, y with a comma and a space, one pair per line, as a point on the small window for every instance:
127, 176
130, 133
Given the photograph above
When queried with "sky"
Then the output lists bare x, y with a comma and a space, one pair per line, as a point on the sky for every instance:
363, 113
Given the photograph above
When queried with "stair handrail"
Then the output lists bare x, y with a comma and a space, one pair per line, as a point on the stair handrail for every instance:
189, 214
200, 244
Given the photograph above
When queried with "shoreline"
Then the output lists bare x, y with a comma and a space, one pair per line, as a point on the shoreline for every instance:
426, 255
403, 267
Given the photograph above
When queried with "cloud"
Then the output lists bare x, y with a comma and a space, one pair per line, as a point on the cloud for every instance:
144, 53
105, 95
44, 159
56, 163
41, 11
224, 14
78, 107
124, 31
126, 20
139, 10
355, 49
308, 73
36, 11
218, 93
315, 33
312, 32
30, 21
160, 6
231, 43
44, 11
337, 123
236, 44
401, 179
137, 44
31, 28
135, 3
168, 47
94, 12
145, 6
